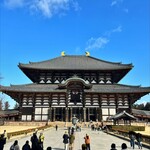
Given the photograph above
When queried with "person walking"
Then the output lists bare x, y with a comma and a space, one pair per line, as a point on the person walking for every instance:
26, 146
139, 140
87, 142
15, 146
71, 141
65, 140
132, 139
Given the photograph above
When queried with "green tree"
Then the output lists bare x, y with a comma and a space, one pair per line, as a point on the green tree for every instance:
141, 106
16, 106
6, 105
147, 106
1, 104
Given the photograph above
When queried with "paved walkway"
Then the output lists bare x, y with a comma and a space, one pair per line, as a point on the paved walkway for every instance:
53, 138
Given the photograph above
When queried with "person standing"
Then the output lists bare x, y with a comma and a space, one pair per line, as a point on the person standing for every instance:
56, 127
87, 142
123, 146
26, 146
41, 141
49, 148
83, 146
66, 140
15, 146
113, 146
2, 142
34, 141
5, 134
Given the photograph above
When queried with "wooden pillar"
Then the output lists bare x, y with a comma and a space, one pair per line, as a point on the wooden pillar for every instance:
20, 106
50, 114
54, 114
84, 114
88, 114
97, 114
66, 113
70, 115
62, 114
116, 99
33, 110
129, 102
80, 116
100, 108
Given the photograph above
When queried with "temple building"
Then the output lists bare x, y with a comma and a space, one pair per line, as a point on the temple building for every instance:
69, 85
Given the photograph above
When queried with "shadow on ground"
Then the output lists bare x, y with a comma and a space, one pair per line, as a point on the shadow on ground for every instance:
58, 149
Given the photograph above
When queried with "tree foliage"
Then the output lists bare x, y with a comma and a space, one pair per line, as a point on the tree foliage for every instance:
16, 106
6, 105
142, 106
1, 104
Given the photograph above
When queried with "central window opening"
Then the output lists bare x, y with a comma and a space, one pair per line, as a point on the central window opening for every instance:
75, 96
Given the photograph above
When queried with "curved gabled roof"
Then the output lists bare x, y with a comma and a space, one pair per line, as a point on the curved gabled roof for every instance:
96, 88
75, 62
136, 91
75, 79
123, 115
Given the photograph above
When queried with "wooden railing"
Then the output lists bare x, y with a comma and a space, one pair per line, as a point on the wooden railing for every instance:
25, 132
145, 138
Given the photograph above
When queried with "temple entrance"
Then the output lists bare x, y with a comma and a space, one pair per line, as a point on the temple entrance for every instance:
77, 112
92, 114
92, 117
59, 116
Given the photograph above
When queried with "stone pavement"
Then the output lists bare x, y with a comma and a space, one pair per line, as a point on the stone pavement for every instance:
53, 138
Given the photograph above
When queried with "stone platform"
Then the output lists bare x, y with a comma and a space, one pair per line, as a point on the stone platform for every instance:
53, 138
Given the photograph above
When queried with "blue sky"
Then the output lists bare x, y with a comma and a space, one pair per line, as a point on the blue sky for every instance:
112, 30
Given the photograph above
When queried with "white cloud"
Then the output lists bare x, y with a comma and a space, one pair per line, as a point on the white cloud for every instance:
47, 8
13, 3
117, 29
126, 10
100, 42
116, 2
50, 7
75, 5
113, 3
96, 43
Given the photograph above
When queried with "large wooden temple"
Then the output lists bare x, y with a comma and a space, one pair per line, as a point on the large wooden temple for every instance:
69, 85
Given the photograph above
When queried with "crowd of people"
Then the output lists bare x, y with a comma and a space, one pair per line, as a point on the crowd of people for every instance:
68, 140
36, 142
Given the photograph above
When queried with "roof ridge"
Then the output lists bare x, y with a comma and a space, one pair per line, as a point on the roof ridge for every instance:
94, 58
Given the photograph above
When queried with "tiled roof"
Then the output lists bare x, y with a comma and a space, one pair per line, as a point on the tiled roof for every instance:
141, 112
123, 114
75, 62
99, 88
32, 88
8, 112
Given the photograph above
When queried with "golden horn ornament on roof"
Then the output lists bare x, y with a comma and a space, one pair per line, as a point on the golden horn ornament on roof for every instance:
87, 53
63, 53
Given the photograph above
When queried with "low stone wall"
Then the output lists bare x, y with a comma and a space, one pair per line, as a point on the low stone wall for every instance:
22, 123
